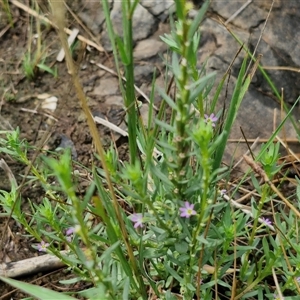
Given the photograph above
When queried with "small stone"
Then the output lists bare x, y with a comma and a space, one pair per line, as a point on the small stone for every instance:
143, 22
143, 73
148, 48
93, 16
114, 100
157, 7
108, 86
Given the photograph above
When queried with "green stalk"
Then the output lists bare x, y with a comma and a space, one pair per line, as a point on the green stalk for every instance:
236, 100
128, 10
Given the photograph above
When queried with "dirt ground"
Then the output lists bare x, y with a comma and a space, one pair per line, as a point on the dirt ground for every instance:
20, 107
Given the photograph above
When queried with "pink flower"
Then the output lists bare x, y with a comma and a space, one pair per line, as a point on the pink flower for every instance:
267, 221
42, 247
187, 210
69, 234
70, 231
211, 119
137, 219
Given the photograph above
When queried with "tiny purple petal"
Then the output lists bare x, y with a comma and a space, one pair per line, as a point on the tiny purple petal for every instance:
42, 247
188, 210
70, 231
137, 219
212, 119
266, 221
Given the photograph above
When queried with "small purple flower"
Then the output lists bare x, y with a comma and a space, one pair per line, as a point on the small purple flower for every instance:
211, 119
137, 219
266, 221
42, 247
298, 279
70, 231
187, 210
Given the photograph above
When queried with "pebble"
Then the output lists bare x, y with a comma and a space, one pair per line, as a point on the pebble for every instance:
148, 48
157, 7
108, 86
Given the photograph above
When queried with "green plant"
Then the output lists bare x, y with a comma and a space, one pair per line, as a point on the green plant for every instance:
176, 233
4, 4
34, 60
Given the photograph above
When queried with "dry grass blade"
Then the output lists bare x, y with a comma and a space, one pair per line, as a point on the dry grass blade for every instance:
261, 34
288, 149
257, 169
7, 27
110, 126
8, 172
281, 68
248, 151
279, 296
260, 140
238, 12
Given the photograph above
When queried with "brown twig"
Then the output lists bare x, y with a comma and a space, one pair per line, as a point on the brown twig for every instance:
259, 170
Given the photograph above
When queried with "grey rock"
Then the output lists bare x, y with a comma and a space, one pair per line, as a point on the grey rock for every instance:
219, 43
93, 16
157, 7
279, 44
143, 22
108, 86
114, 100
252, 13
143, 73
67, 143
148, 48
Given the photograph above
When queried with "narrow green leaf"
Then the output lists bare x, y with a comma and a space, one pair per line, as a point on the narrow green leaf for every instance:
217, 94
109, 251
235, 103
126, 289
197, 87
173, 273
168, 99
175, 65
165, 125
191, 287
36, 291
161, 176
169, 41
122, 51
48, 69
266, 247
198, 19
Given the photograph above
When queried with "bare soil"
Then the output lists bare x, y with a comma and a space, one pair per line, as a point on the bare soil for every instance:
20, 107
